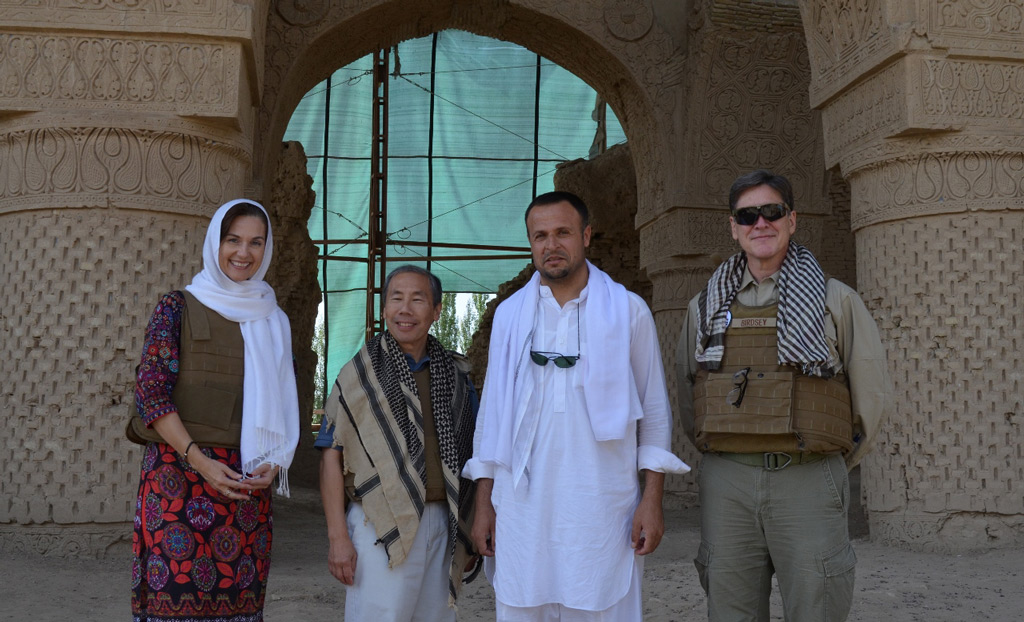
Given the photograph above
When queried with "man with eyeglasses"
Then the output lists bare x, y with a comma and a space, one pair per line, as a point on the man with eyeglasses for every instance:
782, 385
574, 404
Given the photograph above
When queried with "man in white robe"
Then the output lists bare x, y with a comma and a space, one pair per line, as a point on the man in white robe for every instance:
574, 405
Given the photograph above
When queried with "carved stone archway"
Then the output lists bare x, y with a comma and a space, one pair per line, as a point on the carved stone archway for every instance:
124, 124
625, 51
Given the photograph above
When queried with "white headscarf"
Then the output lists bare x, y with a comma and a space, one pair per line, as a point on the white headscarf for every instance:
270, 404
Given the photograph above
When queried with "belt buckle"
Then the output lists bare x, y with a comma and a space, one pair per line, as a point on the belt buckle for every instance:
772, 460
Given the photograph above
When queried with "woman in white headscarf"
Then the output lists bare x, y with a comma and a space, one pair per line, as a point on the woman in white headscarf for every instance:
218, 411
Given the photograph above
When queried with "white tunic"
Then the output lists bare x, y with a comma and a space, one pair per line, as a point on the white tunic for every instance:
564, 535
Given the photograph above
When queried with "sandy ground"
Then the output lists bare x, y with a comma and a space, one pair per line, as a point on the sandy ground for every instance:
892, 585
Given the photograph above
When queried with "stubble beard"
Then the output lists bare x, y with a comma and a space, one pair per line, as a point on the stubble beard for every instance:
555, 274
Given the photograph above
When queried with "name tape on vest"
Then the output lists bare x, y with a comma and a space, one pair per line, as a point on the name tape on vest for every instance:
754, 322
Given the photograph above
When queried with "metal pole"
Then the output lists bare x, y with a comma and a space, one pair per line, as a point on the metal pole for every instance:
382, 70
378, 188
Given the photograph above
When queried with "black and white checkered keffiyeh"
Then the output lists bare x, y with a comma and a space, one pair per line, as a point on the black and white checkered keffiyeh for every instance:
801, 315
454, 441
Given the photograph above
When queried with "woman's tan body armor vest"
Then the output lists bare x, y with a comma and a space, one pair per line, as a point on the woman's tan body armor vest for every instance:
782, 409
208, 392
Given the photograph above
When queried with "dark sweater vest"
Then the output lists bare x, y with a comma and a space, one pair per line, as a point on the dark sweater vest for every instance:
208, 392
782, 409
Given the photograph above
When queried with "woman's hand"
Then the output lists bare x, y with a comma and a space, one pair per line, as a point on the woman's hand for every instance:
263, 476
223, 479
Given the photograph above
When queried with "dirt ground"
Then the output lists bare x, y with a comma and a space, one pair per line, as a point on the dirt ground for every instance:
892, 585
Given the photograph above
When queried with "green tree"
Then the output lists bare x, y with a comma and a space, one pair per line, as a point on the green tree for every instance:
475, 307
446, 328
319, 379
455, 332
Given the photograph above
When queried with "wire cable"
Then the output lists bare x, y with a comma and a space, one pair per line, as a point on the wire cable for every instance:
445, 266
483, 198
483, 118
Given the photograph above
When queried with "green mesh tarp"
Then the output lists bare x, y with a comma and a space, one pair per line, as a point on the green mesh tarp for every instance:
476, 127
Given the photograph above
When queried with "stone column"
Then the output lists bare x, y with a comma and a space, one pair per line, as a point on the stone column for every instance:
121, 129
923, 110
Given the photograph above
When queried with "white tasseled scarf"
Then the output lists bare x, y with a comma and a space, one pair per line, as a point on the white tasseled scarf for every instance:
270, 406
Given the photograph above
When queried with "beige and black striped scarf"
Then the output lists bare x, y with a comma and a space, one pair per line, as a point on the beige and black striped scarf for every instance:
375, 407
801, 316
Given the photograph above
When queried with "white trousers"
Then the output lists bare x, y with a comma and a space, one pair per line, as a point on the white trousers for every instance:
629, 609
415, 590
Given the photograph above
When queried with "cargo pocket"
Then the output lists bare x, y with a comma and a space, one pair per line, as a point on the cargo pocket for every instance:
837, 479
839, 566
207, 406
701, 562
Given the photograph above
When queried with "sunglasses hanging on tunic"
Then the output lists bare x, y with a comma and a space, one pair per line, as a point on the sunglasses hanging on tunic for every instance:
560, 360
771, 211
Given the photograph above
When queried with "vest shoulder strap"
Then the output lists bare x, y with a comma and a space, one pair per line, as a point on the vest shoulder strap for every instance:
195, 315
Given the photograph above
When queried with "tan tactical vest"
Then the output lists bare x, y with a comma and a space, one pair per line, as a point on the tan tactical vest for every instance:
781, 409
208, 392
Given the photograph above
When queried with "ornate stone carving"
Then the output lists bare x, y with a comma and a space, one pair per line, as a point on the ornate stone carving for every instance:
628, 20
749, 109
976, 25
39, 71
51, 167
937, 183
876, 153
873, 110
221, 18
845, 39
302, 12
674, 286
956, 90
688, 232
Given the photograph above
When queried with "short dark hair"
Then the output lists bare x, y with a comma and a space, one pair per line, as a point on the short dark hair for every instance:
435, 283
557, 196
761, 178
241, 209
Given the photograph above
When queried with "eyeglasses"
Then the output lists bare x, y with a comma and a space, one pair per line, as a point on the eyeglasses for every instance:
560, 360
747, 216
739, 381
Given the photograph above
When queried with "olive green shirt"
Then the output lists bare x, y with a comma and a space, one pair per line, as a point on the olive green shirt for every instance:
431, 450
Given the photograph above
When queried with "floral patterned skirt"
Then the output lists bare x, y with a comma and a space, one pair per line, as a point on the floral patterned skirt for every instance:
197, 555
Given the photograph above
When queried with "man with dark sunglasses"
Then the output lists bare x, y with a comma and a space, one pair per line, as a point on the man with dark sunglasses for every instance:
574, 404
782, 386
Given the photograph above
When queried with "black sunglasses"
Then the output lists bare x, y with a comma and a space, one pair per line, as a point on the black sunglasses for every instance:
739, 381
747, 216
560, 360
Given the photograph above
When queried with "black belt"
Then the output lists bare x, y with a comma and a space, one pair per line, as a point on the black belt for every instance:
773, 460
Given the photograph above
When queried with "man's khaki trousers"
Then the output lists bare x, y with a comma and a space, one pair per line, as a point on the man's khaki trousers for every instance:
791, 523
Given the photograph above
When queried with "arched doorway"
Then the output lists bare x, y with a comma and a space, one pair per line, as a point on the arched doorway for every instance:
303, 50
